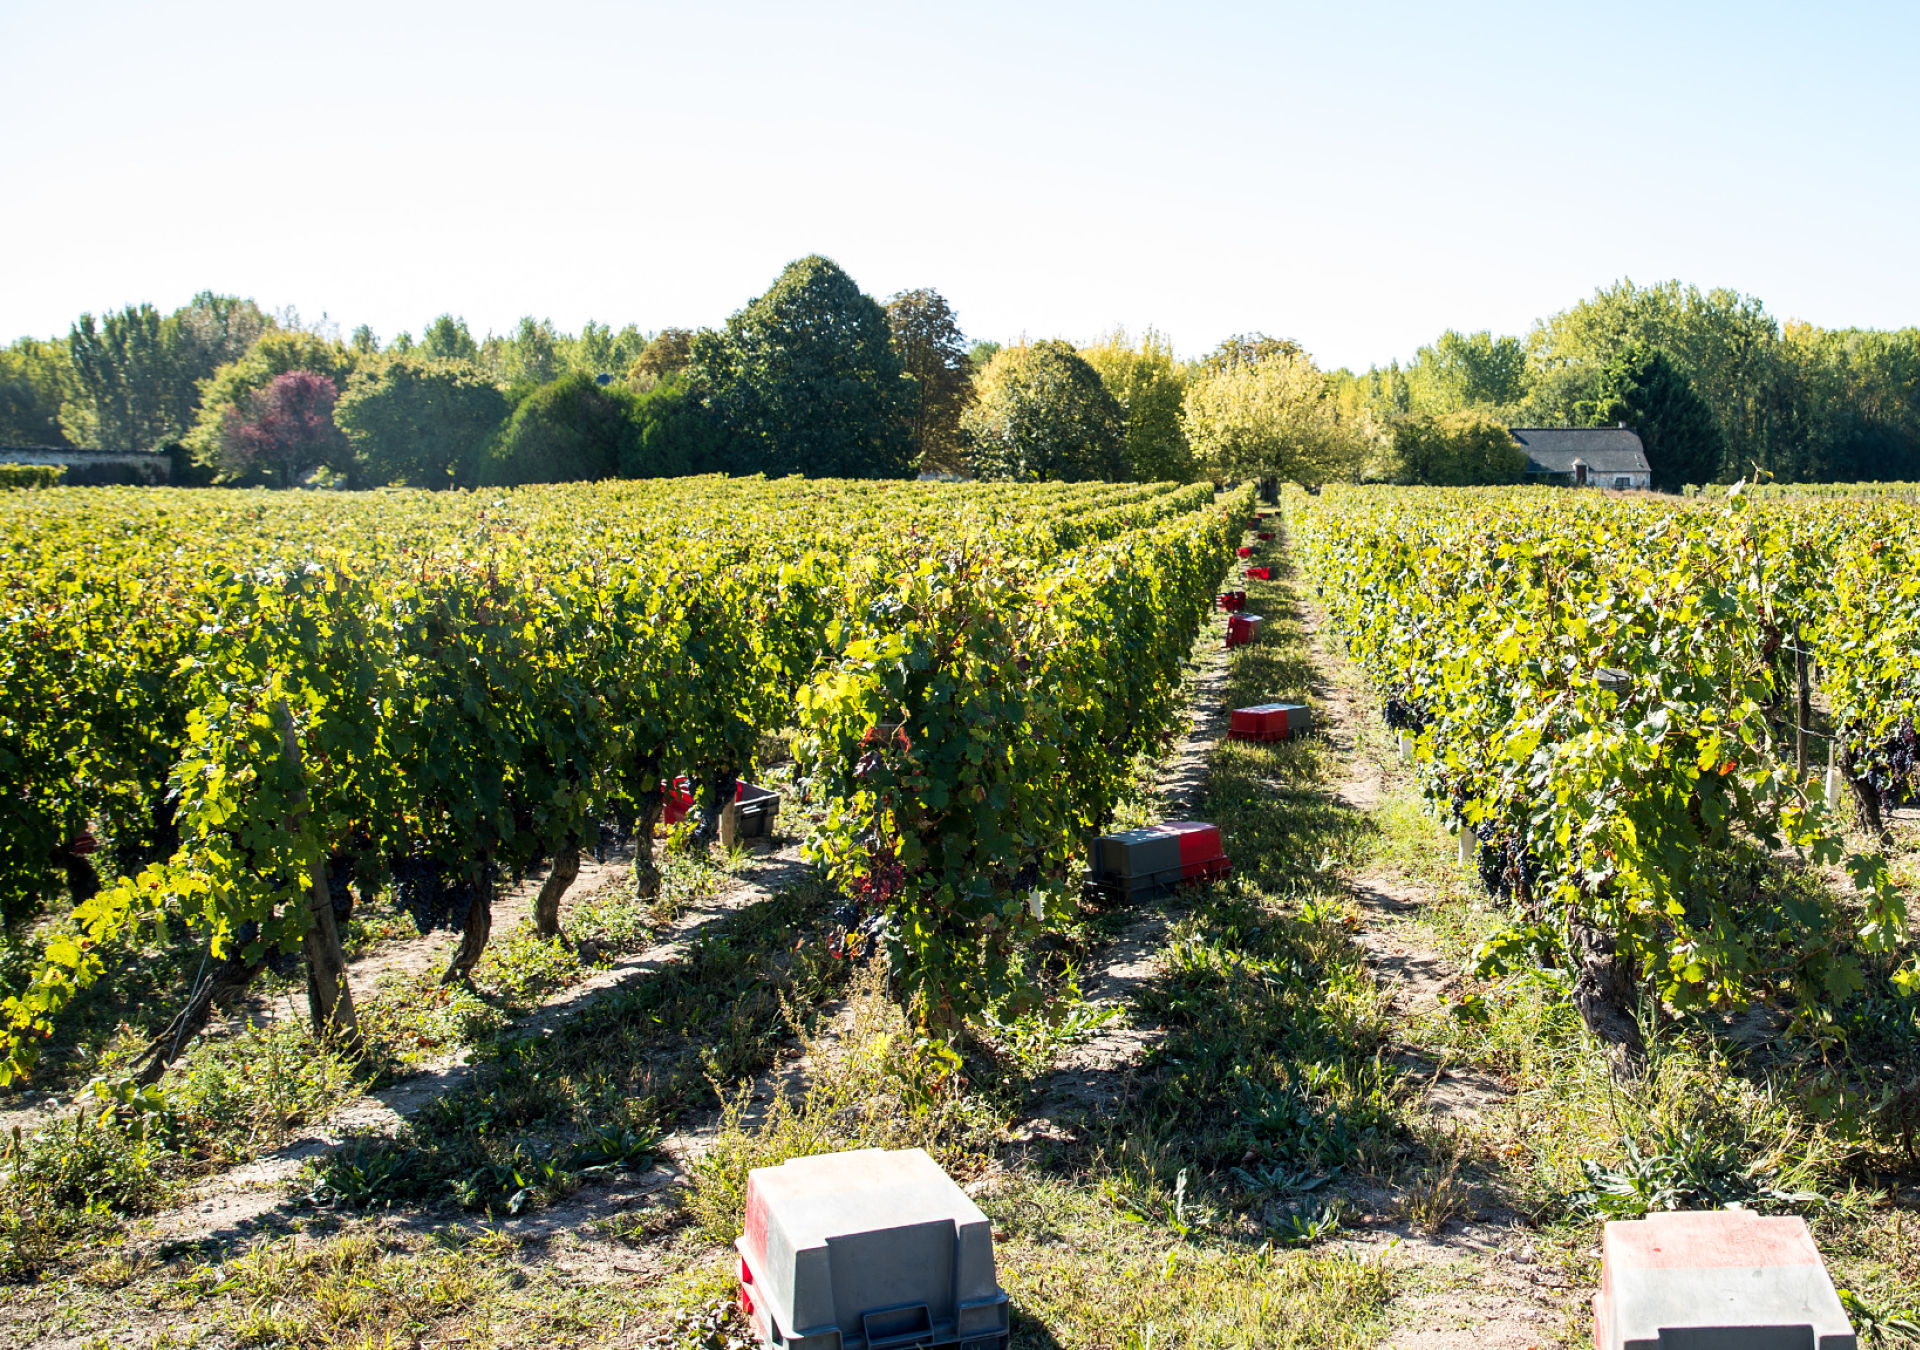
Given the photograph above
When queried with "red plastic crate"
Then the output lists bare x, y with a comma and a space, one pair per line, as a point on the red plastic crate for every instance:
1264, 535
1201, 856
1244, 552
1260, 574
679, 799
1242, 628
1267, 722
1233, 600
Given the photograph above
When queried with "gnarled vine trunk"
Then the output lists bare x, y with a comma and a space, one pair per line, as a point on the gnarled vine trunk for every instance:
1865, 794
646, 876
476, 929
1603, 992
329, 1000
329, 997
546, 905
228, 981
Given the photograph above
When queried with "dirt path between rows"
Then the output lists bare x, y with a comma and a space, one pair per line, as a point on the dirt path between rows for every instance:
1093, 1075
1476, 1284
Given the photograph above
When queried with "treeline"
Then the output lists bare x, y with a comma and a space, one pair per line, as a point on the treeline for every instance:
1715, 385
816, 377
813, 377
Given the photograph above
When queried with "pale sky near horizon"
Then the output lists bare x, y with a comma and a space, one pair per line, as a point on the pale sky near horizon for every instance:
1356, 177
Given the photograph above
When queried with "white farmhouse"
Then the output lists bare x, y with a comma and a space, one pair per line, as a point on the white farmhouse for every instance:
1605, 457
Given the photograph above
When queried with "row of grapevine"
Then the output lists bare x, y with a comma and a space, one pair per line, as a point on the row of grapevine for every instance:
259, 701
1601, 690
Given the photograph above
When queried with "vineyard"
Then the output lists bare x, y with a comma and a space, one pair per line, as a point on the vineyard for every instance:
1585, 898
1612, 700
257, 707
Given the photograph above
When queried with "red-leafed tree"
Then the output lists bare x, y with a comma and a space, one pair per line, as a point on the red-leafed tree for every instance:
285, 431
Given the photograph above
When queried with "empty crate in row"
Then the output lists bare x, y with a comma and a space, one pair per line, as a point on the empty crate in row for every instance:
1134, 863
754, 808
1269, 722
1715, 1278
872, 1249
1242, 628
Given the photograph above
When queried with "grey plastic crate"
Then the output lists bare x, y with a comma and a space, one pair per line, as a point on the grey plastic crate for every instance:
1136, 863
868, 1250
1144, 852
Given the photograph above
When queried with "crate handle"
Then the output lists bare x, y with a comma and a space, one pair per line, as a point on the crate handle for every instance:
914, 1328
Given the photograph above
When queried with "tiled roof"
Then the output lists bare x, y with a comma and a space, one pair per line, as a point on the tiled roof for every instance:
1606, 450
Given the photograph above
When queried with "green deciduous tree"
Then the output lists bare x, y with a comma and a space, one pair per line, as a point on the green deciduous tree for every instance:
527, 359
1247, 349
675, 434
1464, 370
123, 399
1645, 389
136, 377
35, 380
1041, 412
806, 380
568, 431
1856, 402
933, 350
1457, 448
1151, 388
447, 339
599, 350
1269, 413
666, 356
420, 422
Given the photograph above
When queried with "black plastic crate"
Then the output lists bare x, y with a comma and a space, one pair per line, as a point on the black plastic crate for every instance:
754, 811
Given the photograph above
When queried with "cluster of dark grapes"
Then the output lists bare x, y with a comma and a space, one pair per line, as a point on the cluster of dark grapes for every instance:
1404, 714
1891, 767
424, 889
610, 835
1506, 866
856, 931
340, 887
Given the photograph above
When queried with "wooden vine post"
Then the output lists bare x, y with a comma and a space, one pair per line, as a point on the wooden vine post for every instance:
1804, 708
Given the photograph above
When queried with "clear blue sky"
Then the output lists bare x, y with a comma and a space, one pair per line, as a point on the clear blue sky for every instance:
1358, 177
